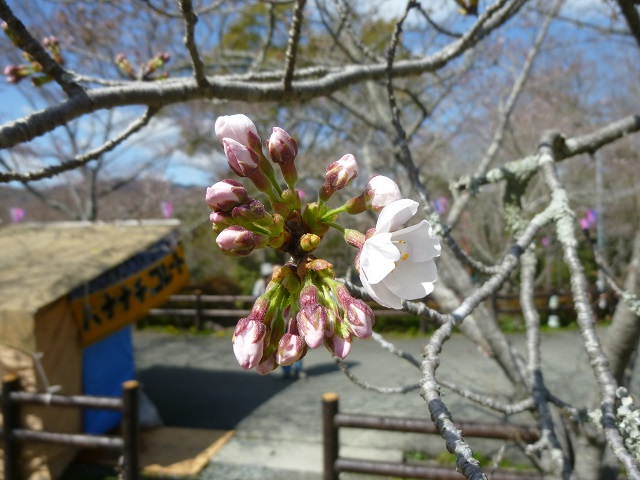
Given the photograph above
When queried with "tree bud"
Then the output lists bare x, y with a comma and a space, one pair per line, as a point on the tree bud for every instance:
15, 73
242, 160
309, 296
236, 240
380, 192
248, 342
339, 174
238, 128
354, 238
311, 324
225, 195
267, 365
282, 147
339, 346
360, 318
309, 242
253, 212
291, 348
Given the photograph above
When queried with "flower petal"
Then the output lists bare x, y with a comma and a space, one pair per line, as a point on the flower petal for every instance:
411, 280
396, 214
423, 244
378, 257
381, 294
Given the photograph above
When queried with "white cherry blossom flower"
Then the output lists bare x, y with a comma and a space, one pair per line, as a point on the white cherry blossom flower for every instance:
398, 263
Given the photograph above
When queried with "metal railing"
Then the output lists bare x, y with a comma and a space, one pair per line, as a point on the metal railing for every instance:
14, 436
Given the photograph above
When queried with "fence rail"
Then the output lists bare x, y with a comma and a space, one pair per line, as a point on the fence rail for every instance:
196, 308
13, 435
332, 421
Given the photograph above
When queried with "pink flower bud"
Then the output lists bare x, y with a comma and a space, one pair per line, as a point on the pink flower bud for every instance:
267, 365
360, 318
225, 195
248, 342
339, 174
309, 296
339, 346
236, 240
311, 324
354, 238
242, 160
282, 148
290, 349
15, 73
220, 220
380, 192
238, 128
252, 211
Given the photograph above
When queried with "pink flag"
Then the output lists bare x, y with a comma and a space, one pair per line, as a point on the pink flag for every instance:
167, 209
17, 214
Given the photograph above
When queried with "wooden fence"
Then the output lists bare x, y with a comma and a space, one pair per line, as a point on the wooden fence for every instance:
13, 435
197, 308
333, 421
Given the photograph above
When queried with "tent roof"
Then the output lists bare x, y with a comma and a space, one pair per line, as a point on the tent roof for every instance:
40, 262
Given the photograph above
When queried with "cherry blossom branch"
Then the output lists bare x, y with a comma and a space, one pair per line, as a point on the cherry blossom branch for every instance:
191, 19
81, 160
344, 16
556, 460
607, 384
268, 39
292, 46
489, 401
429, 390
435, 25
27, 43
630, 13
479, 398
368, 386
631, 300
565, 149
464, 257
401, 143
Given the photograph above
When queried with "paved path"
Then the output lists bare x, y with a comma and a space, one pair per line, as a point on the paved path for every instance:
196, 382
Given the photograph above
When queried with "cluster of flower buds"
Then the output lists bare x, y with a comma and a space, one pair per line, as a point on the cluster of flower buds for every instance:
147, 70
304, 305
32, 68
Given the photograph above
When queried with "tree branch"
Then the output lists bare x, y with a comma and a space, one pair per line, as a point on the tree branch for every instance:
30, 45
505, 115
81, 160
630, 14
233, 88
292, 46
191, 19
607, 384
574, 146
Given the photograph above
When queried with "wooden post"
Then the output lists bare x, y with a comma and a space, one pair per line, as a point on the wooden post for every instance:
130, 429
11, 422
330, 434
198, 293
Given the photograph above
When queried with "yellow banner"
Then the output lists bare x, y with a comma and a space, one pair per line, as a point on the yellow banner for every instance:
110, 309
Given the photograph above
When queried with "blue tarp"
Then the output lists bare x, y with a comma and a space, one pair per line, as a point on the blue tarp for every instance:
105, 366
